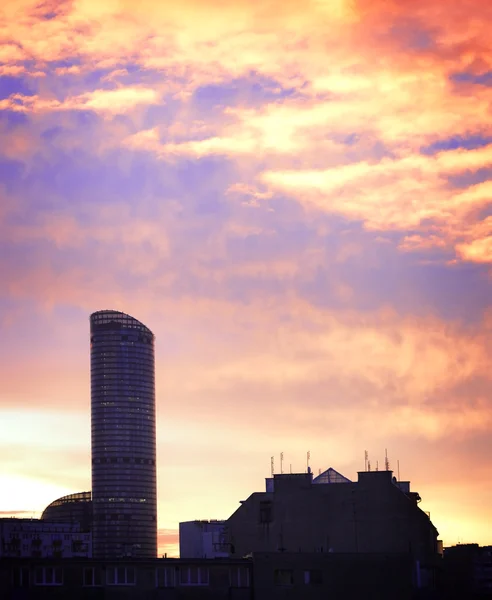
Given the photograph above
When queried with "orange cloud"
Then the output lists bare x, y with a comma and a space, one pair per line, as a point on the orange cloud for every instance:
400, 193
478, 247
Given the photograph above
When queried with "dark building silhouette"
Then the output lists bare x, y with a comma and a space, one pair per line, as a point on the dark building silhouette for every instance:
123, 437
376, 514
74, 508
467, 572
263, 576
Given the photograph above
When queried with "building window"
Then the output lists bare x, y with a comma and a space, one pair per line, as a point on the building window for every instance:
21, 577
313, 577
165, 577
48, 576
266, 511
193, 576
239, 577
92, 577
120, 576
283, 577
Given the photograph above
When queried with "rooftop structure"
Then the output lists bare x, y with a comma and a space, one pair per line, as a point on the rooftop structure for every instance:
74, 508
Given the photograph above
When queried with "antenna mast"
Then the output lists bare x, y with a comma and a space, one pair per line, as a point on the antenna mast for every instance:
281, 462
366, 459
272, 468
307, 459
386, 461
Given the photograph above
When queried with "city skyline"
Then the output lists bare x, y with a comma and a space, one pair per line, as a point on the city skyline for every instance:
295, 200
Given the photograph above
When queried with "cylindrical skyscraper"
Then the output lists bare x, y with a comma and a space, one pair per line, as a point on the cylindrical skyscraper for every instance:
124, 491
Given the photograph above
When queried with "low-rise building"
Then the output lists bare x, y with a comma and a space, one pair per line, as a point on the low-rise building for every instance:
467, 572
39, 538
131, 579
264, 576
202, 539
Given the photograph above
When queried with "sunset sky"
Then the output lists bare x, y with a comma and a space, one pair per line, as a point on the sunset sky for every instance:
296, 197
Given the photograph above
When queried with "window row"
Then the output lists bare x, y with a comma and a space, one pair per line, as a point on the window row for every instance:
122, 361
109, 349
144, 372
115, 517
143, 339
166, 576
124, 460
285, 577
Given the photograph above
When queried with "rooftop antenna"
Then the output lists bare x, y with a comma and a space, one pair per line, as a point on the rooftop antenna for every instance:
272, 468
386, 461
366, 459
281, 462
369, 465
307, 459
377, 465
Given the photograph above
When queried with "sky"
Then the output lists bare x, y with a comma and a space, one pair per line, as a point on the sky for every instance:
296, 198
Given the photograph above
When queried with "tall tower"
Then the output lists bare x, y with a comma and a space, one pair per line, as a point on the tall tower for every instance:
124, 491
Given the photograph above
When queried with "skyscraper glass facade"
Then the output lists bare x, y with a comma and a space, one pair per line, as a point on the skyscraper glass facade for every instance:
124, 494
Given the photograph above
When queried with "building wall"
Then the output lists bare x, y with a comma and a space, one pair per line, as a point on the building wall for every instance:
266, 576
310, 576
372, 515
36, 538
159, 579
202, 539
467, 572
124, 491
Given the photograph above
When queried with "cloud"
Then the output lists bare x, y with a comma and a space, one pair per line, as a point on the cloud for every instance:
149, 141
15, 513
480, 249
396, 194
100, 101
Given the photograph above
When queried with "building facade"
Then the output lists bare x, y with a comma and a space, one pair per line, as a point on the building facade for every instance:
124, 494
263, 576
202, 539
372, 515
37, 538
129, 579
